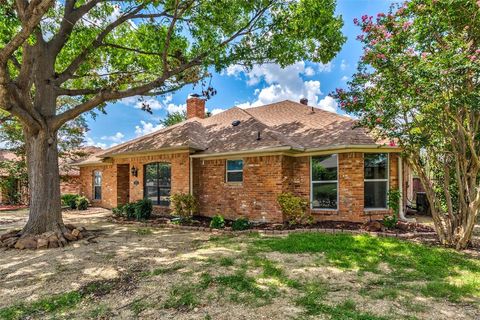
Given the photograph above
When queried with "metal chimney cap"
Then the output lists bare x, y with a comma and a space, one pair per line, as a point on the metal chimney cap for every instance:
304, 101
194, 95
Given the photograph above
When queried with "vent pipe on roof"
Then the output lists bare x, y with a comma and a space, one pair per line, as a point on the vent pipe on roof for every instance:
258, 136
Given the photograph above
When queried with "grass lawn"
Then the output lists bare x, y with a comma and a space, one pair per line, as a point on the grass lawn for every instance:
141, 272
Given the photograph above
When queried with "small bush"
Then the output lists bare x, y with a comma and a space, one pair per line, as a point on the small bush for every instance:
143, 209
294, 208
119, 211
82, 203
184, 205
218, 222
240, 224
390, 222
70, 200
129, 210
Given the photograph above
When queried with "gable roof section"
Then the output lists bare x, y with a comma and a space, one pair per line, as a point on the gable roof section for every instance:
287, 124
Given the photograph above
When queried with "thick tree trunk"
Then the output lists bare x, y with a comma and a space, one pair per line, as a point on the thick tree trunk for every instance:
44, 184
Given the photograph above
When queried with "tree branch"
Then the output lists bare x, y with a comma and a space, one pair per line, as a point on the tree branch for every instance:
78, 60
31, 18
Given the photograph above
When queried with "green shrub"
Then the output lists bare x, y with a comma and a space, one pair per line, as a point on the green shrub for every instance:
240, 224
390, 222
294, 208
82, 203
184, 205
143, 209
129, 210
217, 222
70, 200
119, 211
393, 201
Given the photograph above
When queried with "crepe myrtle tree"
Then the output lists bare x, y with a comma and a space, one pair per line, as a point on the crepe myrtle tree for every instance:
102, 51
418, 84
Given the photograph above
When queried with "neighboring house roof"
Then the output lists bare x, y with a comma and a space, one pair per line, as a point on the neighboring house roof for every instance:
66, 164
287, 124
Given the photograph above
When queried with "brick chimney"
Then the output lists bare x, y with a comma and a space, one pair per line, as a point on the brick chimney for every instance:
195, 107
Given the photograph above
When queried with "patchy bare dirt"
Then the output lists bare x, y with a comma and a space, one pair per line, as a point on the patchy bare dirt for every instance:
151, 273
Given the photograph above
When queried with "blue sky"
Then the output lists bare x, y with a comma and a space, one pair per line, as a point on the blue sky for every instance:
235, 86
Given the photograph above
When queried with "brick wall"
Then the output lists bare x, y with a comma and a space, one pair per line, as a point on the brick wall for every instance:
70, 184
109, 185
254, 198
114, 178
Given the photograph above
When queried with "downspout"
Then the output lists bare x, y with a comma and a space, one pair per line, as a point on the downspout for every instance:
190, 176
401, 212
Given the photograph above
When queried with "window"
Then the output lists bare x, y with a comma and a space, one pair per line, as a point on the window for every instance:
234, 170
97, 185
324, 182
158, 183
376, 180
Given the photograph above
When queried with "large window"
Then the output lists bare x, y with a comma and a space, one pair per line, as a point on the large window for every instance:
325, 182
234, 170
376, 180
97, 185
157, 183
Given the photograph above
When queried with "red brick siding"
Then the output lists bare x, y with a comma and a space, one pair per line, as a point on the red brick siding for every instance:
110, 184
254, 198
70, 184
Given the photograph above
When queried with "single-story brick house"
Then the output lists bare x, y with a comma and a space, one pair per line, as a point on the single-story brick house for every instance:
69, 174
237, 162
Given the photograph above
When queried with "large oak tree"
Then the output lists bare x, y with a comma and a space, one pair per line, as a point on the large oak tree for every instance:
418, 83
105, 50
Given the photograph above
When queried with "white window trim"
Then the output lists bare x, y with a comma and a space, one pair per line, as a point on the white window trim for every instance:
97, 185
233, 171
323, 181
377, 180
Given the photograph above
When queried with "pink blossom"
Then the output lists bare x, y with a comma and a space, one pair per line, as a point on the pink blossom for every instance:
478, 3
406, 25
478, 50
424, 55
472, 58
355, 21
392, 143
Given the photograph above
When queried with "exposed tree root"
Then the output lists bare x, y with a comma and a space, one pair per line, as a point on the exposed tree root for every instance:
18, 239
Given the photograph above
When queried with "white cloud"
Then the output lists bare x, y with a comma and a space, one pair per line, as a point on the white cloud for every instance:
154, 104
146, 128
325, 67
344, 65
171, 107
116, 138
216, 111
345, 78
90, 142
309, 71
328, 104
282, 84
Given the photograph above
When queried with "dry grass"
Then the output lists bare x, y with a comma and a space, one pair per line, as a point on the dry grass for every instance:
135, 271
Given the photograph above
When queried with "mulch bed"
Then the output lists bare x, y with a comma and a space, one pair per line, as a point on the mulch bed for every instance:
373, 226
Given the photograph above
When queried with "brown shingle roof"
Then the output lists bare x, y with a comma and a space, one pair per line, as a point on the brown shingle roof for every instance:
285, 124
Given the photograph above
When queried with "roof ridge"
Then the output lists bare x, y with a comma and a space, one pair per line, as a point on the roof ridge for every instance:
305, 106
